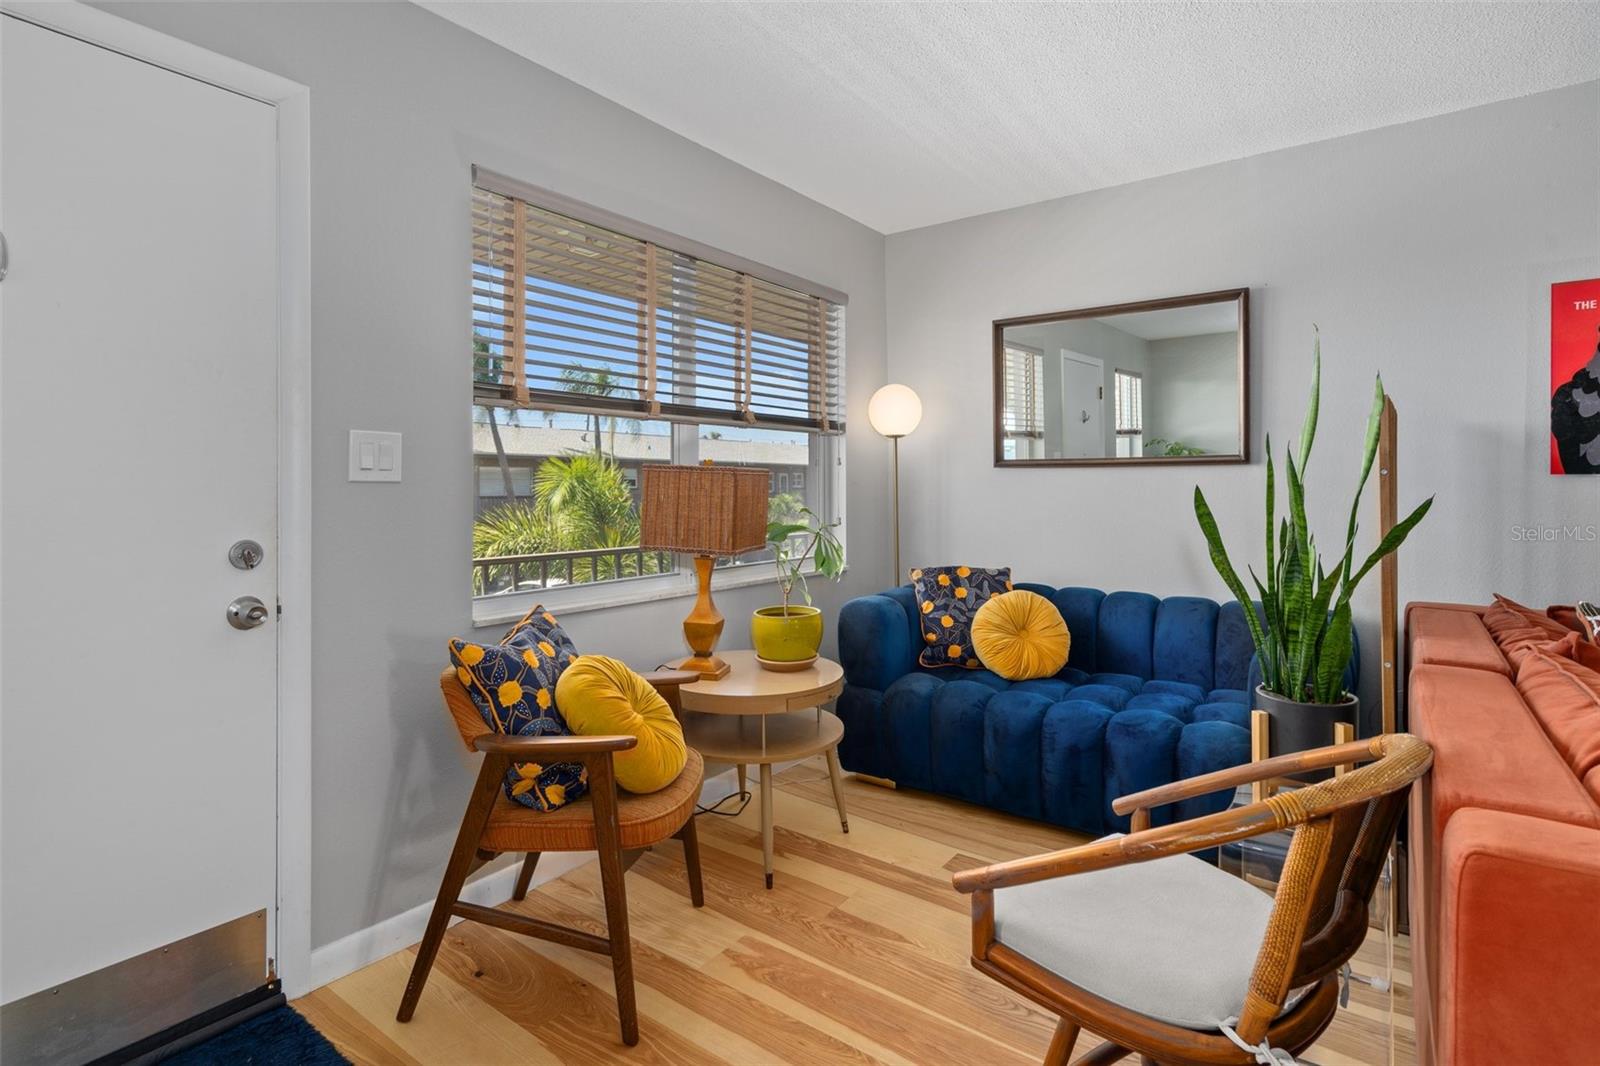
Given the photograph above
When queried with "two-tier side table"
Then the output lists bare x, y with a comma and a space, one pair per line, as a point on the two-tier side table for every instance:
759, 717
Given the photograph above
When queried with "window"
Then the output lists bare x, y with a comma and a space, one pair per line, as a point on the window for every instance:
1130, 402
492, 480
1022, 413
599, 346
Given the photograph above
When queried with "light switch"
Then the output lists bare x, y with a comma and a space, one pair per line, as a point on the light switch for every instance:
374, 455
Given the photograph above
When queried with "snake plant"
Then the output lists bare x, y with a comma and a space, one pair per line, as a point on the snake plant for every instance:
1302, 634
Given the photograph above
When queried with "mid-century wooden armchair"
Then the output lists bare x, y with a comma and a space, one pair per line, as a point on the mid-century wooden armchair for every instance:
1158, 958
617, 825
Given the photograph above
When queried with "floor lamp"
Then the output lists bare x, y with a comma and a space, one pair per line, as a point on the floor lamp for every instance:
894, 411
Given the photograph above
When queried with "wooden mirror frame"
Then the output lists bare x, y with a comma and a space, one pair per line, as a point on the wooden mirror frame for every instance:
1240, 296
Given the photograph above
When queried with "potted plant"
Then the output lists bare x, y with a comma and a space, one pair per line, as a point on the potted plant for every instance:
791, 633
1302, 633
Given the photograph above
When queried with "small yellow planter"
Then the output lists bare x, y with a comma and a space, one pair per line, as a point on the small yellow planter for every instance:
786, 638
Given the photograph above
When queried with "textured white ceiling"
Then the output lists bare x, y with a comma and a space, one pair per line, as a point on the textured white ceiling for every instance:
907, 114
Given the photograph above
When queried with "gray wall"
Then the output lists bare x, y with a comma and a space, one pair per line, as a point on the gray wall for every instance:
1191, 392
1425, 250
402, 103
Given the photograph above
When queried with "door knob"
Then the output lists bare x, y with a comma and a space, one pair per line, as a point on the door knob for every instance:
246, 612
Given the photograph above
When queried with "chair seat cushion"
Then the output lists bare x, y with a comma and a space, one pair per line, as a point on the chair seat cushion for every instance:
1173, 939
645, 820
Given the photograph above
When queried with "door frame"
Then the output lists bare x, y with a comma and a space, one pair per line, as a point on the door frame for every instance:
1096, 363
293, 104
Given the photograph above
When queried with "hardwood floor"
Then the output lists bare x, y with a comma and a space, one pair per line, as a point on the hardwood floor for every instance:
858, 955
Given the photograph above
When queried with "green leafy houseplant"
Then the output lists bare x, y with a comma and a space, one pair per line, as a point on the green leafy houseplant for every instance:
1303, 634
791, 634
1162, 446
794, 537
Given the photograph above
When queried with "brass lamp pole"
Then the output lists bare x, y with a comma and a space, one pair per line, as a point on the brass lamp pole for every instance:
895, 411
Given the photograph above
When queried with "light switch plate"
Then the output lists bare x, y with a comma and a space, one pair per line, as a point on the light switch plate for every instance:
374, 455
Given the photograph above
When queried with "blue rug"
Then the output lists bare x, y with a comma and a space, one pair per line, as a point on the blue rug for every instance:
278, 1037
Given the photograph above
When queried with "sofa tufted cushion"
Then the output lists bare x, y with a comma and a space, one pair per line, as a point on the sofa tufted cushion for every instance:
1043, 748
1020, 636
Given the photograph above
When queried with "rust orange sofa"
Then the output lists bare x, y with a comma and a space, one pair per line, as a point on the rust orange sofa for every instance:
1505, 851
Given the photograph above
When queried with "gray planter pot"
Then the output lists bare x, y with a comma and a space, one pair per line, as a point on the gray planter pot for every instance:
1303, 726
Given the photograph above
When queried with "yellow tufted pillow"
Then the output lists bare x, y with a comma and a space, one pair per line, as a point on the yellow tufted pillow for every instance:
1020, 635
602, 697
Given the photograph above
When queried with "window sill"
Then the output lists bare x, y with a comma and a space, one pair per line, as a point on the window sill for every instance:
500, 611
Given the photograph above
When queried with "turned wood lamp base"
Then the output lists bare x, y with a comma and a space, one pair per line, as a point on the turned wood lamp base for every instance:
703, 628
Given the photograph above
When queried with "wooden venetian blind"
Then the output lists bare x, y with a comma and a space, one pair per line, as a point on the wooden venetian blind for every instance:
1129, 402
572, 315
1022, 407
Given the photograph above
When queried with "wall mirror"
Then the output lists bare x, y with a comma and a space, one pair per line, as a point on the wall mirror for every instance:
1159, 381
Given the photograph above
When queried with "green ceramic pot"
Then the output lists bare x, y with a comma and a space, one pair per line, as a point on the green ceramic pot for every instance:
790, 637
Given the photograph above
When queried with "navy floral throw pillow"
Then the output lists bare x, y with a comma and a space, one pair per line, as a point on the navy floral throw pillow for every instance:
948, 597
513, 684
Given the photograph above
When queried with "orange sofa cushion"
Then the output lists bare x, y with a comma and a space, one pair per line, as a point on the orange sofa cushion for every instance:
1516, 633
1564, 696
1453, 638
1489, 751
1517, 977
1537, 619
1575, 647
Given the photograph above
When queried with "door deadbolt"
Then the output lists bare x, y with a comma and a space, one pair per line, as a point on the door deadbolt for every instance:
246, 554
247, 612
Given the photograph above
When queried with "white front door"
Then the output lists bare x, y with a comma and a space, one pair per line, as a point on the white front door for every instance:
138, 442
1082, 431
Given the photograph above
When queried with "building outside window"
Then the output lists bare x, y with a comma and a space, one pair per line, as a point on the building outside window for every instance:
616, 351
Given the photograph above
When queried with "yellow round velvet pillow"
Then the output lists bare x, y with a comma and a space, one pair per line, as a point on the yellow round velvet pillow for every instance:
602, 697
1019, 635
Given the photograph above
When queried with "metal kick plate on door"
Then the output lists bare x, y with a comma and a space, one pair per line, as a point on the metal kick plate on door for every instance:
104, 1011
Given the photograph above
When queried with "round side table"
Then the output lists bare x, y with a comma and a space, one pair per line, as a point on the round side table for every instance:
763, 717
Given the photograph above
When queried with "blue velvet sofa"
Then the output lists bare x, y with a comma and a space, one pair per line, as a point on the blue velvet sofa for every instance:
1155, 690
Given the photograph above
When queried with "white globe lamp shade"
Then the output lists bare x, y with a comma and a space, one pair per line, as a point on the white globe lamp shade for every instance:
894, 410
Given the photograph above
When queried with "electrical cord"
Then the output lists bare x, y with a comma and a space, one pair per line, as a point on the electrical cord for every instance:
743, 797
744, 801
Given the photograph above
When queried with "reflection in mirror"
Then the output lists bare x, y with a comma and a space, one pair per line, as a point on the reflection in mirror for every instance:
1162, 380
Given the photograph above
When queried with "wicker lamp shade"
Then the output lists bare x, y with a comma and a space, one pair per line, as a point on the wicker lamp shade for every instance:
703, 510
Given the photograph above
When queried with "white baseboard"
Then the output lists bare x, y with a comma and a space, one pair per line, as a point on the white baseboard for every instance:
366, 946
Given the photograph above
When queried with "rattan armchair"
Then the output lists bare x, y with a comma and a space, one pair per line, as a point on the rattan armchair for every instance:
616, 825
1287, 990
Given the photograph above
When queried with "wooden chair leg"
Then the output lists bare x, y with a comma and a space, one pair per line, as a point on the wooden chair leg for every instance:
608, 837
525, 876
1102, 1054
691, 860
744, 785
1061, 1044
463, 859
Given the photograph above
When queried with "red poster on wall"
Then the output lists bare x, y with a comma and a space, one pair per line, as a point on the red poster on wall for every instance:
1575, 377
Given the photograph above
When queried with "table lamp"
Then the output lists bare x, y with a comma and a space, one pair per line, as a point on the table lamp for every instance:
708, 512
894, 411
